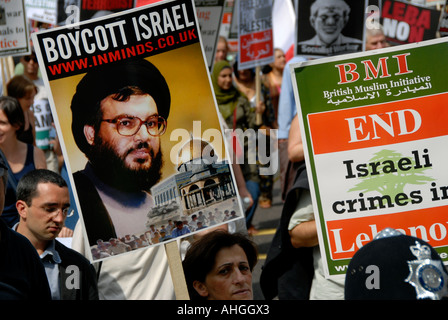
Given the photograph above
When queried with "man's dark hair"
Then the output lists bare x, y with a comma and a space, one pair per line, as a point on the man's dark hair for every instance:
120, 79
27, 186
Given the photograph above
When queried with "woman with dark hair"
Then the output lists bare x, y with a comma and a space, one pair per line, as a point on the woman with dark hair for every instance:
218, 266
21, 157
24, 90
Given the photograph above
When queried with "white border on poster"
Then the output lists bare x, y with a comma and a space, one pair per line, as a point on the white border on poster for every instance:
58, 124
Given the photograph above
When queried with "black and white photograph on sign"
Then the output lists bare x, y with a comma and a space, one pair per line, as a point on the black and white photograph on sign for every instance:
330, 27
141, 133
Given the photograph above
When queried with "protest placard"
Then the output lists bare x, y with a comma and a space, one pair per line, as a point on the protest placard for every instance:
98, 8
256, 46
13, 29
330, 27
41, 10
255, 40
209, 14
231, 13
224, 29
68, 12
407, 23
134, 105
141, 3
374, 137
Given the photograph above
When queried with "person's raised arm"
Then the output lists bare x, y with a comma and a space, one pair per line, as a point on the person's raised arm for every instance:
295, 146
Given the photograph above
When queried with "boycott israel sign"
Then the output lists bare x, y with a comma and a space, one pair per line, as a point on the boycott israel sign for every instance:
136, 113
375, 137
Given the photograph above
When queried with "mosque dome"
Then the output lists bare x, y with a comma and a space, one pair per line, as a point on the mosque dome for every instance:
196, 149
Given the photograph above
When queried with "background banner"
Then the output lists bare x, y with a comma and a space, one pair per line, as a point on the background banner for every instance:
256, 46
407, 23
443, 25
13, 29
166, 34
98, 8
209, 14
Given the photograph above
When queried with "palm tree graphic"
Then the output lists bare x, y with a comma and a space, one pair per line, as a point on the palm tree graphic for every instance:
391, 183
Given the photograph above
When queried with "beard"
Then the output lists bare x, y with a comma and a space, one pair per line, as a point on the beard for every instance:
111, 168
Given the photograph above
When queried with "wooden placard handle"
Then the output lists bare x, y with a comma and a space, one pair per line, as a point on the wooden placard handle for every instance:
176, 270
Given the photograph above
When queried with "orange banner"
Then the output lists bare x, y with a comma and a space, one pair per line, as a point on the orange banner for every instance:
347, 236
384, 124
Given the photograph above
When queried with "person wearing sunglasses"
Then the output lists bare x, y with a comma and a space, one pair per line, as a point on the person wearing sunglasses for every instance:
119, 114
28, 66
328, 18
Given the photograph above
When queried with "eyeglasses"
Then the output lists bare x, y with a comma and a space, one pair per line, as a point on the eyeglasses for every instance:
54, 211
29, 58
129, 126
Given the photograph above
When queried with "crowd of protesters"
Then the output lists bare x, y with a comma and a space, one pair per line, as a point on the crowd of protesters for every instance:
23, 152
